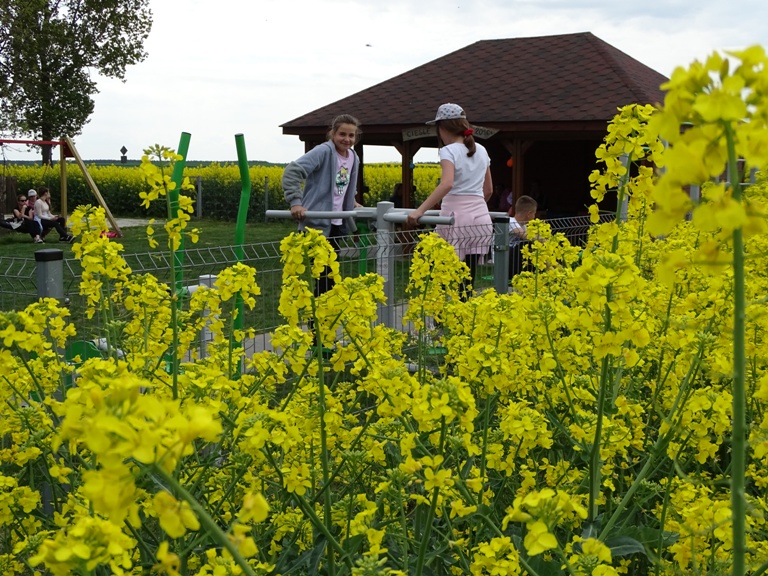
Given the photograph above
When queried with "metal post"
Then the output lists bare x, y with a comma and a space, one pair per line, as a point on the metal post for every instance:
173, 195
50, 273
384, 261
501, 254
266, 196
199, 184
49, 266
205, 334
624, 208
695, 195
242, 216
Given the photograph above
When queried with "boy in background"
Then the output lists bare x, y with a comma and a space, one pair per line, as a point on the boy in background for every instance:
524, 211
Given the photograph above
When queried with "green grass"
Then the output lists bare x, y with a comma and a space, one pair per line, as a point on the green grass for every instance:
214, 233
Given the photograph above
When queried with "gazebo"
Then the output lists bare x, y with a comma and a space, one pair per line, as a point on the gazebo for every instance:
540, 106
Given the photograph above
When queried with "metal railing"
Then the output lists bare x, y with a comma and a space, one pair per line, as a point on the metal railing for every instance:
385, 248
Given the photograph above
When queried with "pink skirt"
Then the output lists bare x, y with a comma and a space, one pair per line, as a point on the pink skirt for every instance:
472, 230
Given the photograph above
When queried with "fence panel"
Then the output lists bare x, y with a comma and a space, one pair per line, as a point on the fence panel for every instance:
18, 283
359, 254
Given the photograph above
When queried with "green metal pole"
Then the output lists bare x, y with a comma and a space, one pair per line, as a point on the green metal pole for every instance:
245, 196
176, 178
242, 216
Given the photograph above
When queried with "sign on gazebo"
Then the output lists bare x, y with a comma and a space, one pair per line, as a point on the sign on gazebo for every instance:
430, 132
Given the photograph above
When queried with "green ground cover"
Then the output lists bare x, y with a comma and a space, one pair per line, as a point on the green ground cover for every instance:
214, 233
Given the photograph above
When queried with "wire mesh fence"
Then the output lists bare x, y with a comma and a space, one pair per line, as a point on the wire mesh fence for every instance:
574, 228
387, 252
18, 284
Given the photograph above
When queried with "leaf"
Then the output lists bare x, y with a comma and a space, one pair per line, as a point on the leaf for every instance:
317, 554
625, 546
649, 537
288, 564
351, 545
591, 530
542, 567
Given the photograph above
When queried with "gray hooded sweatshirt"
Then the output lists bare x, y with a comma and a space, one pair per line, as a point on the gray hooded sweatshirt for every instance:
317, 171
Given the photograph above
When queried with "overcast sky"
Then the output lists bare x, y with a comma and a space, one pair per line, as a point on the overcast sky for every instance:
220, 68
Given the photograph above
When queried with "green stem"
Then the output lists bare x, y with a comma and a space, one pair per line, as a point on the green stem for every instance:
431, 516
659, 447
324, 462
594, 459
232, 343
490, 401
738, 498
206, 521
174, 310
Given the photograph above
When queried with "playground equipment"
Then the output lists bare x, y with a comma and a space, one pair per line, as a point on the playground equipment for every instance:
68, 150
242, 217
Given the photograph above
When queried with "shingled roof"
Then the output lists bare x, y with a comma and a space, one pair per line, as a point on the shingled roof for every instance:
562, 78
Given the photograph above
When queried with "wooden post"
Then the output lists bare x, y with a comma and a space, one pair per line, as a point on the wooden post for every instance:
360, 174
407, 175
63, 180
3, 197
517, 149
92, 185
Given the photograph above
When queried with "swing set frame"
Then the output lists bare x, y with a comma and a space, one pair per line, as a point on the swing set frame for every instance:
67, 150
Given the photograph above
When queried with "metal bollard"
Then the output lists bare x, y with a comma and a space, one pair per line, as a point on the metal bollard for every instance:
384, 264
501, 254
205, 334
50, 273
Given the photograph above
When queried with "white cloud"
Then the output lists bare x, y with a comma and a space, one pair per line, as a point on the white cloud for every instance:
239, 66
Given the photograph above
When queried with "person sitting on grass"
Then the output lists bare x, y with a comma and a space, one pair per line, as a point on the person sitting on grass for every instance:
524, 211
48, 220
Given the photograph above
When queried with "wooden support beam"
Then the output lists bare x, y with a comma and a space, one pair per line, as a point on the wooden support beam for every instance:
517, 150
63, 180
92, 185
360, 173
407, 175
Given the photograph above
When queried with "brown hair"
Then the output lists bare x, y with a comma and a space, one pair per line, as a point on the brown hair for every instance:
525, 204
458, 126
345, 119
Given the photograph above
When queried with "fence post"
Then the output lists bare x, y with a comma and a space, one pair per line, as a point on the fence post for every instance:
199, 183
384, 261
266, 196
501, 254
49, 264
205, 334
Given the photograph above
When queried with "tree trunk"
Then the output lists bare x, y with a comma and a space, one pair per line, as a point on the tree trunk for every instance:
46, 149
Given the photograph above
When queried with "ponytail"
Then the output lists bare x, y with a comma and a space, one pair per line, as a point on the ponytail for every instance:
461, 127
469, 141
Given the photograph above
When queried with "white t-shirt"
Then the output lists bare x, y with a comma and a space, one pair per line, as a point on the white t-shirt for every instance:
516, 231
42, 210
469, 172
343, 172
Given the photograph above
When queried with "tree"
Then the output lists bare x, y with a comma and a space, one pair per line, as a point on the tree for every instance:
49, 50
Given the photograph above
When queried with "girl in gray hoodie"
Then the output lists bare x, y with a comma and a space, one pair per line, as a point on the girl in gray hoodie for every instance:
325, 179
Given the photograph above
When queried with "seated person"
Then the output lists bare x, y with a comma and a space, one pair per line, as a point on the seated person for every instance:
23, 220
524, 212
397, 195
48, 220
504, 203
